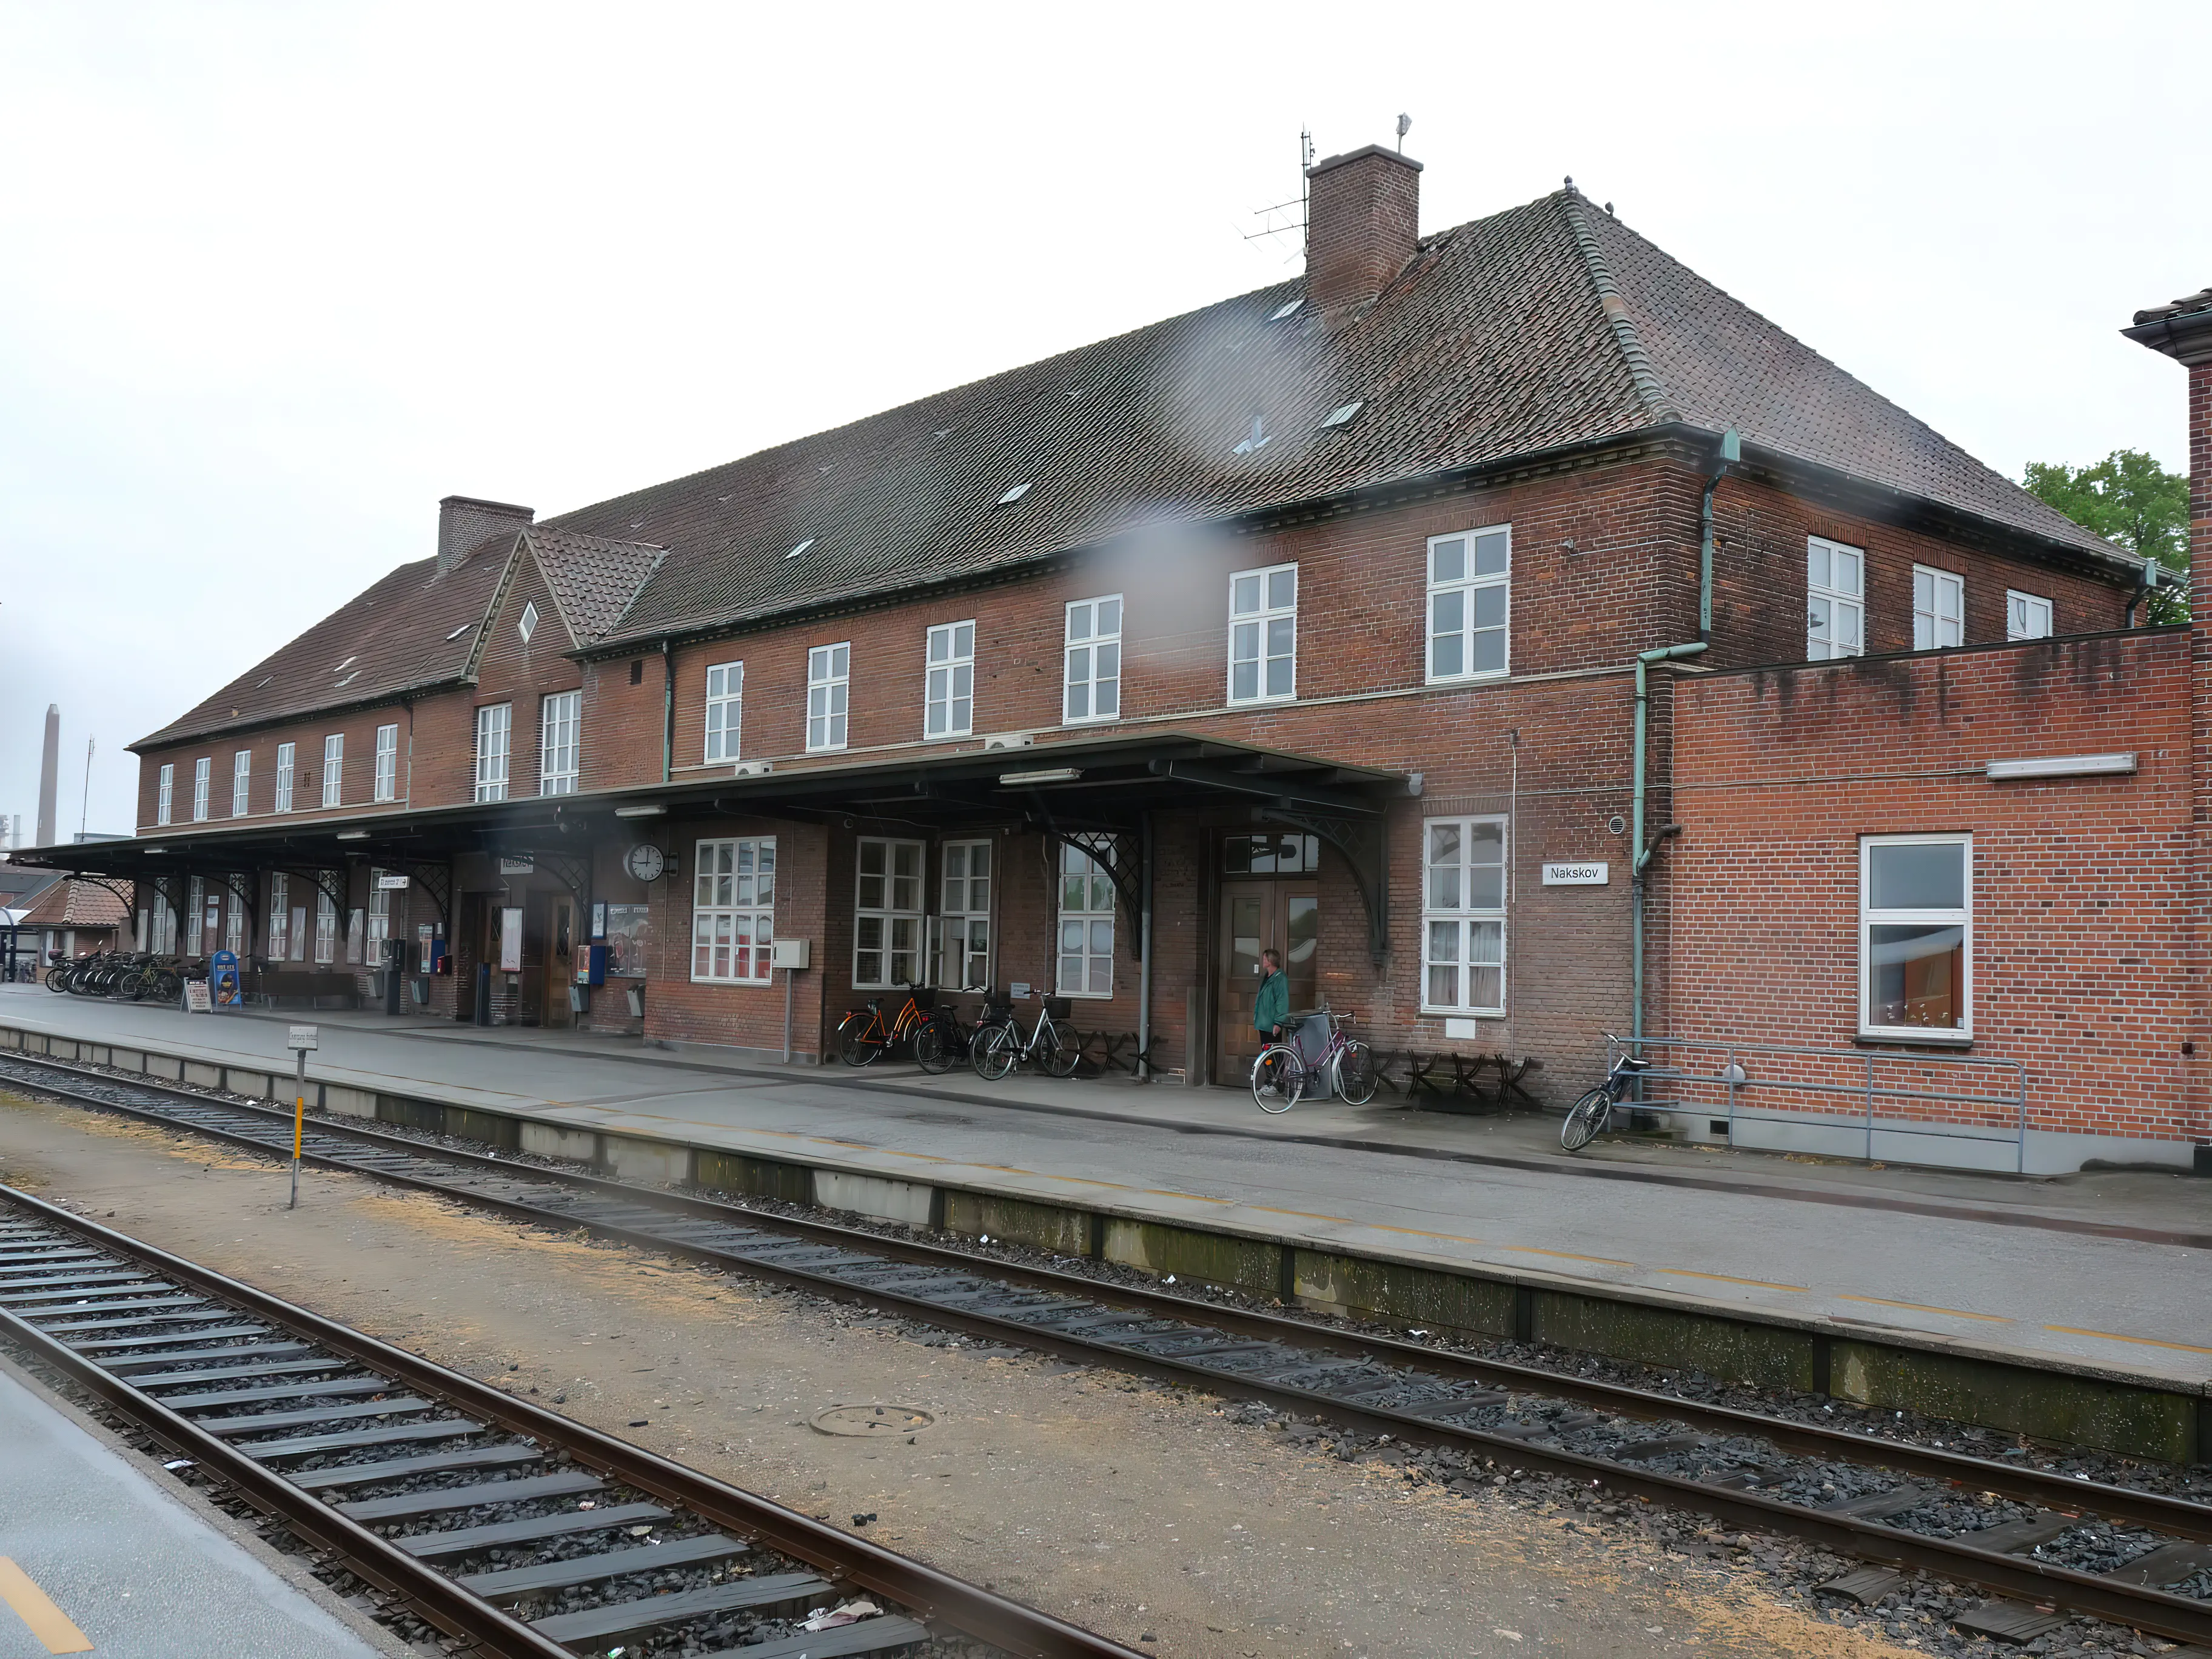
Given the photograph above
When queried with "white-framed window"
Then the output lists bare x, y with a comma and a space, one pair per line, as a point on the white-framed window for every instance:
234, 924
380, 917
169, 789
334, 769
202, 771
725, 708
494, 728
1835, 599
284, 752
964, 961
733, 911
388, 762
326, 927
1939, 608
241, 783
1093, 679
280, 917
195, 914
887, 914
558, 744
1463, 915
2028, 615
829, 679
1916, 935
1470, 598
949, 709
1085, 957
1263, 634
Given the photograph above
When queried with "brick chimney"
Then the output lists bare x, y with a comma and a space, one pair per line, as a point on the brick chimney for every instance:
464, 522
1363, 220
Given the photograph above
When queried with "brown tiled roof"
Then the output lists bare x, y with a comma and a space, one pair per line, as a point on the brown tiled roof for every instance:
591, 578
2187, 305
77, 904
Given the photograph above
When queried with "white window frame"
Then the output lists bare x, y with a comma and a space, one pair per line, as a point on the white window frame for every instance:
1477, 930
1821, 647
725, 714
168, 786
1871, 918
560, 742
1080, 872
733, 910
828, 695
963, 944
196, 923
326, 928
1260, 620
334, 770
1465, 586
949, 688
1939, 608
1090, 661
280, 917
203, 776
388, 762
241, 783
2022, 611
896, 903
380, 917
234, 923
495, 743
284, 754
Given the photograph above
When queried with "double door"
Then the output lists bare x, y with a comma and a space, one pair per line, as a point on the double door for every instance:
1284, 914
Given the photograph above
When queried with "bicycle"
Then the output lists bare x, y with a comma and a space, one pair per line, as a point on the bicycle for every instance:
862, 1034
1281, 1075
942, 1042
1593, 1113
998, 1046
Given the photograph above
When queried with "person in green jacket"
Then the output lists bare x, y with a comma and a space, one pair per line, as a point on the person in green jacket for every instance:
1271, 1013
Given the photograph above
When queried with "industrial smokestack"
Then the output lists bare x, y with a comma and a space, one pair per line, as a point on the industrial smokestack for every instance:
50, 774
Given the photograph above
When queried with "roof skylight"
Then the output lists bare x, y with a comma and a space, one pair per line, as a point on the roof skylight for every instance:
458, 632
1289, 307
801, 548
342, 666
1013, 494
1258, 441
1343, 414
351, 678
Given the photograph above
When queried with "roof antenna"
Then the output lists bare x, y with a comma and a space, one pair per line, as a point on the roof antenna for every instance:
1405, 127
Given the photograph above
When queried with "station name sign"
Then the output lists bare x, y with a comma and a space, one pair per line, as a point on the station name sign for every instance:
1584, 873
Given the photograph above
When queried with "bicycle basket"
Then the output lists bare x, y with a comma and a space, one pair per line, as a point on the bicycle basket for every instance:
1056, 1006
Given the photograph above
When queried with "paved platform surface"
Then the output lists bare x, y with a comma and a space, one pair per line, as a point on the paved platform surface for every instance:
119, 1568
2107, 1267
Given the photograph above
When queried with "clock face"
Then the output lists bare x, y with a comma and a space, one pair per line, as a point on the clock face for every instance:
644, 861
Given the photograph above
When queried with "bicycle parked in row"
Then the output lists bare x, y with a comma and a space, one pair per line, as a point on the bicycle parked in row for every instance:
997, 1045
123, 976
1282, 1074
933, 1033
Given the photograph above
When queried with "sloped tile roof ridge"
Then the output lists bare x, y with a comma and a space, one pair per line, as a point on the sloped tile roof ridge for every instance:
1576, 211
595, 579
2187, 305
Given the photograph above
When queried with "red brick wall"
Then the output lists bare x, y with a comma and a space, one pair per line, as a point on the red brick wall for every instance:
2080, 947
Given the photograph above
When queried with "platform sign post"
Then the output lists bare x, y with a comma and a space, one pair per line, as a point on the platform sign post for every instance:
301, 1039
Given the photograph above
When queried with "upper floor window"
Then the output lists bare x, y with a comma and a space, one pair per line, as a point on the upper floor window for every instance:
887, 914
829, 674
1085, 957
1263, 634
1916, 934
733, 911
1835, 599
241, 783
1939, 609
557, 742
494, 724
388, 762
202, 768
1469, 593
169, 787
2027, 615
1092, 687
283, 777
1463, 916
950, 711
333, 769
725, 692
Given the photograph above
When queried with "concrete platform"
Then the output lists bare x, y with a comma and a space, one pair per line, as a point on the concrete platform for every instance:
2105, 1269
117, 1567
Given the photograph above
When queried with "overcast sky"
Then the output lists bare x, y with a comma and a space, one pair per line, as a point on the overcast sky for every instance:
275, 279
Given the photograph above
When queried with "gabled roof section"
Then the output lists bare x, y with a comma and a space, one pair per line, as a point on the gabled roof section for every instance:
594, 580
74, 903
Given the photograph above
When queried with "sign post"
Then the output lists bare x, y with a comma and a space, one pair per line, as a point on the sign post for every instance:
302, 1038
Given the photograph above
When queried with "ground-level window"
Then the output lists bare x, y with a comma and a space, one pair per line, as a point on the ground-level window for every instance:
887, 914
949, 705
1835, 599
493, 729
557, 742
284, 753
1939, 609
195, 907
1468, 575
829, 682
388, 762
2028, 615
725, 695
1091, 688
733, 910
1916, 934
1463, 916
965, 947
280, 917
1086, 924
233, 925
326, 927
380, 917
1263, 634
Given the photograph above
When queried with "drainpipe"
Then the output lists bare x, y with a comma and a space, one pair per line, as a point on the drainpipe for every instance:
1731, 451
667, 712
1145, 963
1640, 854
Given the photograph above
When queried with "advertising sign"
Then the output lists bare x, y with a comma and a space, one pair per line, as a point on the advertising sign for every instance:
510, 939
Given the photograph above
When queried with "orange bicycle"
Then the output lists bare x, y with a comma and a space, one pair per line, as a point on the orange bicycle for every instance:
863, 1035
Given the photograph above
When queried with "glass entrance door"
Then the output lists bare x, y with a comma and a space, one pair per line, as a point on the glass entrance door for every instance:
1254, 914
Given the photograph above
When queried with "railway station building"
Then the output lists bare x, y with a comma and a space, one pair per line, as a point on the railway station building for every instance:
1527, 638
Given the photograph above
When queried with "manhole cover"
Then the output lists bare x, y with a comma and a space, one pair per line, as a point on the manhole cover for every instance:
873, 1420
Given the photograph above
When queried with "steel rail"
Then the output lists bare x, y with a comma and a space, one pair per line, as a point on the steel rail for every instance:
2179, 1618
931, 1596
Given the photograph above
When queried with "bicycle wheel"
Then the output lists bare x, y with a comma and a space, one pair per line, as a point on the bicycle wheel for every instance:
1278, 1078
993, 1053
1060, 1050
1584, 1118
167, 985
859, 1039
1355, 1073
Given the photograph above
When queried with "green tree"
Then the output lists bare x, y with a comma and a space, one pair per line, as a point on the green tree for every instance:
2130, 499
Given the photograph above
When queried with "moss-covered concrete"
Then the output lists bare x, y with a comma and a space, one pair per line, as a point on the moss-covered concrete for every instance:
1154, 1247
2057, 1406
1403, 1293
763, 1177
1742, 1350
1055, 1227
463, 1122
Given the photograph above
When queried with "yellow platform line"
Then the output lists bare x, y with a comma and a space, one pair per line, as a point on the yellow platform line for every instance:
1923, 1307
36, 1609
2114, 1336
1730, 1278
1569, 1255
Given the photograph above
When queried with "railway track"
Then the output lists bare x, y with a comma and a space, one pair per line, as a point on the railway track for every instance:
2042, 1539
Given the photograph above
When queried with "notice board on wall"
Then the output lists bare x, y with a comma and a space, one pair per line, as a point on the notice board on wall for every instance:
510, 939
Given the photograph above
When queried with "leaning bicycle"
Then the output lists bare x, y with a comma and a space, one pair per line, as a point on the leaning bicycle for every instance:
1282, 1075
864, 1034
1592, 1114
997, 1045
